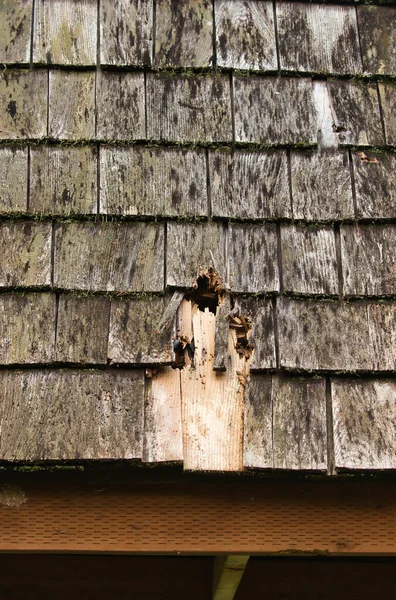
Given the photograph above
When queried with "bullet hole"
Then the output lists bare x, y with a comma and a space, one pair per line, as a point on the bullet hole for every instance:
338, 128
207, 291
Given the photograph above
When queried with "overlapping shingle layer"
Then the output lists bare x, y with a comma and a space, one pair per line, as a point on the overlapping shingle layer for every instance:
142, 143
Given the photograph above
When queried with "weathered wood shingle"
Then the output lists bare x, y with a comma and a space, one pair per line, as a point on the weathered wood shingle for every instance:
377, 31
388, 102
13, 179
257, 444
375, 185
71, 105
15, 30
262, 336
23, 104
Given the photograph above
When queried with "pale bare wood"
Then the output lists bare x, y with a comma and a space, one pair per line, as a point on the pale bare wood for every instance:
245, 35
23, 104
15, 30
257, 445
163, 441
228, 572
13, 179
71, 105
388, 102
377, 34
327, 137
375, 184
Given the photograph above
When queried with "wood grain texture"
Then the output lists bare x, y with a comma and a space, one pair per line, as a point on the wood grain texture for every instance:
163, 439
23, 104
245, 35
71, 415
82, 329
272, 110
377, 31
253, 258
260, 313
317, 38
299, 423
249, 185
375, 185
189, 109
388, 103
364, 423
25, 250
65, 32
15, 30
321, 186
27, 328
336, 336
191, 249
327, 137
134, 337
309, 263
257, 444
13, 179
126, 32
109, 257
121, 106
71, 105
368, 254
183, 35
356, 113
63, 180
146, 181
221, 335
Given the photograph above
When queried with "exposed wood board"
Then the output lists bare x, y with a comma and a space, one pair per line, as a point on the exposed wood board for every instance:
63, 180
249, 185
192, 109
109, 257
65, 32
260, 313
321, 186
336, 336
318, 38
364, 423
27, 328
191, 250
163, 440
184, 32
245, 35
388, 103
377, 31
368, 255
13, 179
375, 184
25, 250
121, 106
271, 110
126, 32
71, 415
356, 113
327, 137
71, 105
253, 258
309, 262
257, 445
153, 181
221, 335
82, 329
23, 104
228, 572
134, 336
299, 423
15, 30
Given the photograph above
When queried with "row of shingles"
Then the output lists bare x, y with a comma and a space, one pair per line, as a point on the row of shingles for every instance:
310, 38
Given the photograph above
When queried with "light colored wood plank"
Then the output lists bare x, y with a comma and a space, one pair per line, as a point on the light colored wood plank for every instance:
192, 109
109, 257
375, 184
183, 36
388, 102
63, 180
318, 38
126, 31
377, 32
364, 423
228, 572
15, 30
71, 105
368, 256
327, 137
82, 329
13, 179
257, 445
299, 423
121, 106
262, 337
321, 186
245, 35
163, 440
27, 328
153, 181
271, 110
65, 32
71, 415
25, 250
249, 185
23, 104
309, 262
